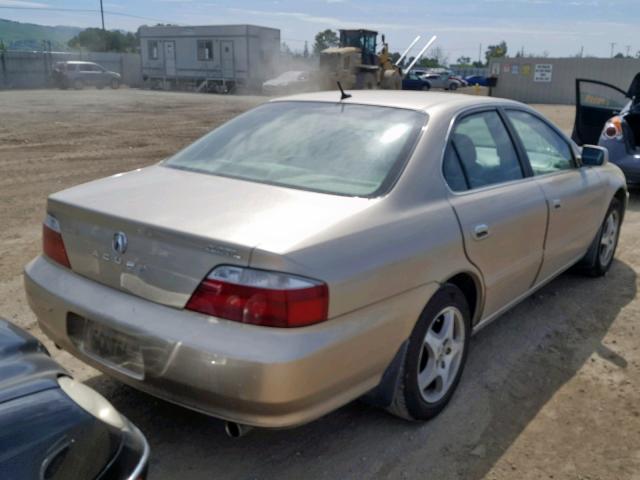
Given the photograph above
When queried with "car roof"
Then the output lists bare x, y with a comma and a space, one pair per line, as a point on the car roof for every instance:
421, 101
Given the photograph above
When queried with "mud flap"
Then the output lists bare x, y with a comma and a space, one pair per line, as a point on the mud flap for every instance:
382, 395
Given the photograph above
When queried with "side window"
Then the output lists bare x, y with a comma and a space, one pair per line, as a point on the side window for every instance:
547, 151
484, 151
452, 170
205, 50
152, 49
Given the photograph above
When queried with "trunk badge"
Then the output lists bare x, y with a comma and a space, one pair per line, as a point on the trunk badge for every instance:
119, 243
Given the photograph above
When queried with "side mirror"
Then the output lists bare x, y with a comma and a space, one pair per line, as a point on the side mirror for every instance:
594, 156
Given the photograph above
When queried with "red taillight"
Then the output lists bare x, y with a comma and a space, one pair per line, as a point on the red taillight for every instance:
52, 244
261, 298
613, 129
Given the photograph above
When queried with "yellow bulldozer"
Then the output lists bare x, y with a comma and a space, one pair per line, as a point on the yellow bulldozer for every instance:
357, 64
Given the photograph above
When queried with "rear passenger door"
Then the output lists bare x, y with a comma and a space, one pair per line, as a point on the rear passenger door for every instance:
574, 194
501, 210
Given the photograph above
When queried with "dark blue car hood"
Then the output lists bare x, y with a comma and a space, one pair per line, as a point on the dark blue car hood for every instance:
25, 365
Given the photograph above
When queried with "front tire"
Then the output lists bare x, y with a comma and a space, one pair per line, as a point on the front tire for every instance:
599, 258
115, 84
78, 84
435, 357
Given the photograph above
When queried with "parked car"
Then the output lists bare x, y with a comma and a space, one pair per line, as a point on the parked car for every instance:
317, 249
413, 81
83, 74
460, 80
610, 117
443, 80
52, 427
477, 80
294, 81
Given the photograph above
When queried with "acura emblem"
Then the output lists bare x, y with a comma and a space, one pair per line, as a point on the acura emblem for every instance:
119, 243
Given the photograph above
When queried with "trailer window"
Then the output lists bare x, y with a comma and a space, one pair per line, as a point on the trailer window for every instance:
152, 47
345, 149
205, 50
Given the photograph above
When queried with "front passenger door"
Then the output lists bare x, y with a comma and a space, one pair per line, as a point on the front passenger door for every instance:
574, 194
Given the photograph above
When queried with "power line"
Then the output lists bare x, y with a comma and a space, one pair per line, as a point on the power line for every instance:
88, 10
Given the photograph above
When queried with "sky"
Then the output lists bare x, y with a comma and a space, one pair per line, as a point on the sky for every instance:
557, 27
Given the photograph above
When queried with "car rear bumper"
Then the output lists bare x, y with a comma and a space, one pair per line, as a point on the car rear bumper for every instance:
259, 376
620, 155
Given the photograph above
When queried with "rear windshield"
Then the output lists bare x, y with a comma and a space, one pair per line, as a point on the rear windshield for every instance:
342, 149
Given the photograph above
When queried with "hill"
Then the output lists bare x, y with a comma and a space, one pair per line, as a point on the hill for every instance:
28, 36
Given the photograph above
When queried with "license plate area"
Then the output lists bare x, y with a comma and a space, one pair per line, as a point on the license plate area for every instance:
115, 349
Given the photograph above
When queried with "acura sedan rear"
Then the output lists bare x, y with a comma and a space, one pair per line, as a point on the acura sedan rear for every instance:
313, 250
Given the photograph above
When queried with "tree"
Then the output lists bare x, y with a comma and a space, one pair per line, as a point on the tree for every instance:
619, 55
325, 39
394, 57
284, 48
305, 52
437, 58
98, 40
463, 61
496, 51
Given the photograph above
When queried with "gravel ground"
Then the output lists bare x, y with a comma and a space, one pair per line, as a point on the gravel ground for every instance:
551, 389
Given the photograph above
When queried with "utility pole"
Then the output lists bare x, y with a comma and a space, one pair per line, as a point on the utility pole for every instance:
628, 50
613, 45
102, 14
582, 51
480, 54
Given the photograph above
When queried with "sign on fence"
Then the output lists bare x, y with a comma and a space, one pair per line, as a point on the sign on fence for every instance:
543, 72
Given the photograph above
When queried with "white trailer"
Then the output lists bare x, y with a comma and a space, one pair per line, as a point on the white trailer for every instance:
216, 58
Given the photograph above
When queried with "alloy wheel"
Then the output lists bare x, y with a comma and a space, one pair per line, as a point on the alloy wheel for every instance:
609, 237
441, 354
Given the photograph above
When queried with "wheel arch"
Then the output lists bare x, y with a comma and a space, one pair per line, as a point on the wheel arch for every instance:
621, 196
471, 287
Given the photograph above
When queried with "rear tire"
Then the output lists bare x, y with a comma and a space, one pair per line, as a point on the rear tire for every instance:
435, 357
453, 87
426, 87
78, 84
115, 83
599, 257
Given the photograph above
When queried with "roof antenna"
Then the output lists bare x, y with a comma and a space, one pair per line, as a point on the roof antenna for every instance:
343, 95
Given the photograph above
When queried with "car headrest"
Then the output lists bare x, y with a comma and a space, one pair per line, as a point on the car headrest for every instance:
465, 147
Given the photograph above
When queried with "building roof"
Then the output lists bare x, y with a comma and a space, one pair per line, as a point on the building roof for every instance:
422, 101
189, 30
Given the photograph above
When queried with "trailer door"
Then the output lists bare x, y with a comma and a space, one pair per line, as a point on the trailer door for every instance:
170, 58
226, 56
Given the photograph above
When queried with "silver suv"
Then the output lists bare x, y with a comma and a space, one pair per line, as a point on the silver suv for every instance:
77, 75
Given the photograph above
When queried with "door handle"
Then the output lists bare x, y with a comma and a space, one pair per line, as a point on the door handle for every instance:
480, 232
557, 203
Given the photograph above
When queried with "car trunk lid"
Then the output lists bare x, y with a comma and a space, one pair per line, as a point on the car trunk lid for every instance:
157, 232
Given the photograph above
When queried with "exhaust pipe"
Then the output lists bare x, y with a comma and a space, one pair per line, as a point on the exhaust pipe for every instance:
236, 430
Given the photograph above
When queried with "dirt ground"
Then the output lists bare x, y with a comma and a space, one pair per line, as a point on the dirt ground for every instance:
551, 389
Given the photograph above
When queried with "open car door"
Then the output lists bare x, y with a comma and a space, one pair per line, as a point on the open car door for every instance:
596, 102
634, 90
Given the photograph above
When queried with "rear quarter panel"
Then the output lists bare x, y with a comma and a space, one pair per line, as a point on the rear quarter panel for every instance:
409, 238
